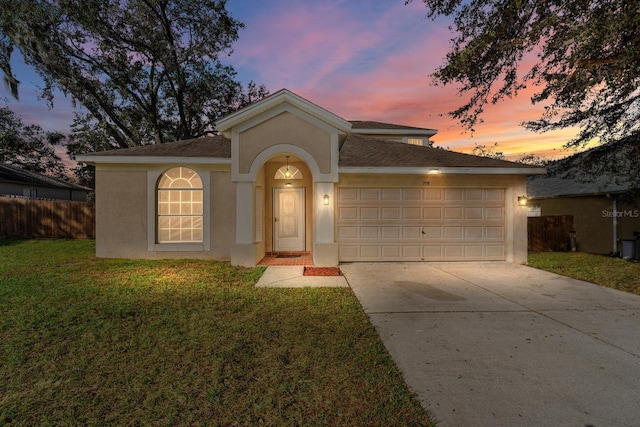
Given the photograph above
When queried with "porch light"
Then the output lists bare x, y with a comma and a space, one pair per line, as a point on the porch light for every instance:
287, 173
325, 200
288, 184
522, 201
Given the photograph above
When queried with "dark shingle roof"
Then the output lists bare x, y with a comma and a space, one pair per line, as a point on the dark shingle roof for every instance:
363, 151
211, 146
357, 150
11, 173
552, 186
360, 124
606, 169
589, 173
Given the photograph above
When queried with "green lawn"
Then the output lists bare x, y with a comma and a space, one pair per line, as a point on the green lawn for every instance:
86, 341
606, 271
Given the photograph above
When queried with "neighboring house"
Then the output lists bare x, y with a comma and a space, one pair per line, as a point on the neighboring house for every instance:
286, 175
15, 181
605, 210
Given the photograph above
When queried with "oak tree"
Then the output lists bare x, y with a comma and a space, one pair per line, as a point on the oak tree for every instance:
147, 71
29, 146
581, 57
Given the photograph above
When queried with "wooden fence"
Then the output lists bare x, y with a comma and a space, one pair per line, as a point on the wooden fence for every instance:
549, 233
61, 219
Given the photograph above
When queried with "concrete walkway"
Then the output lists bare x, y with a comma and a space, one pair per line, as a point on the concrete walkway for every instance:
281, 276
498, 344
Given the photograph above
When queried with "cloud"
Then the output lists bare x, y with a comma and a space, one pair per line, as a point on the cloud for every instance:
311, 45
33, 110
360, 59
373, 62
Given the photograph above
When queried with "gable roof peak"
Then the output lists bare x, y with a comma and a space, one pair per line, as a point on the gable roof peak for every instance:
282, 96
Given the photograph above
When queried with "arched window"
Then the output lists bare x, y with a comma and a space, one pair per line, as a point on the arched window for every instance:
179, 206
288, 172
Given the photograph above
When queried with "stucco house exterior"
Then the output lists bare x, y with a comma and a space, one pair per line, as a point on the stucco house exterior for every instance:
286, 175
605, 208
15, 181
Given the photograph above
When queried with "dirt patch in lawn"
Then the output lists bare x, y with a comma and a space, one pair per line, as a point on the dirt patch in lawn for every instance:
322, 271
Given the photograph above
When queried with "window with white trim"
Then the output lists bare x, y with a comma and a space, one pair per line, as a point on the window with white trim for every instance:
180, 207
415, 141
288, 172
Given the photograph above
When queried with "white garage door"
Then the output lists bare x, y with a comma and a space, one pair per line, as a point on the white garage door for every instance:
421, 224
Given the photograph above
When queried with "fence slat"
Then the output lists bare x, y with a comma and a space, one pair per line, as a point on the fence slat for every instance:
58, 219
549, 233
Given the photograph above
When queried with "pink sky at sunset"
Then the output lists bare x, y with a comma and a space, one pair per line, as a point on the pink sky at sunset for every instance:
367, 60
360, 59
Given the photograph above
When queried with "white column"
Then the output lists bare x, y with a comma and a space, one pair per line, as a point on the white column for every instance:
244, 213
325, 249
324, 216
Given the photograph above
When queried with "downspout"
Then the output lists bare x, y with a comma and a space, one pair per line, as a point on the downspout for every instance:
615, 225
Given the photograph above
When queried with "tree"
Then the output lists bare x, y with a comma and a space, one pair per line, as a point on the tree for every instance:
147, 71
483, 150
87, 135
28, 146
492, 152
581, 55
533, 160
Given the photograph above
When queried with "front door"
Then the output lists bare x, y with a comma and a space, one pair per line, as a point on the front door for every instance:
288, 217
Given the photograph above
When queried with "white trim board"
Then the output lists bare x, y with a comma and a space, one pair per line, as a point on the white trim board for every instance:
441, 170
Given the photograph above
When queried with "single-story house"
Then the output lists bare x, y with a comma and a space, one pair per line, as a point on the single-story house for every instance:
286, 175
15, 181
605, 209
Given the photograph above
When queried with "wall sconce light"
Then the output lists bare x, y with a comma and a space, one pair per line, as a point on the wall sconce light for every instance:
325, 200
522, 201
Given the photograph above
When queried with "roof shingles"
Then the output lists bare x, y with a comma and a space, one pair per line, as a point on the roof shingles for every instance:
361, 124
363, 151
356, 151
211, 146
11, 173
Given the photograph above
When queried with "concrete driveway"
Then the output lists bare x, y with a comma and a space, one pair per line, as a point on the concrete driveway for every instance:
498, 344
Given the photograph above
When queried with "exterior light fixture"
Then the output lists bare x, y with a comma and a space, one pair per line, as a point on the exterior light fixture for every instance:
288, 184
325, 200
522, 201
287, 173
433, 171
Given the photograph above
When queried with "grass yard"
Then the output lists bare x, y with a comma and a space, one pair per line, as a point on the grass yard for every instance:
606, 271
87, 341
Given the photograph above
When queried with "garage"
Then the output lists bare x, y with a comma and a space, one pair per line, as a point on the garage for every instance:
420, 224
